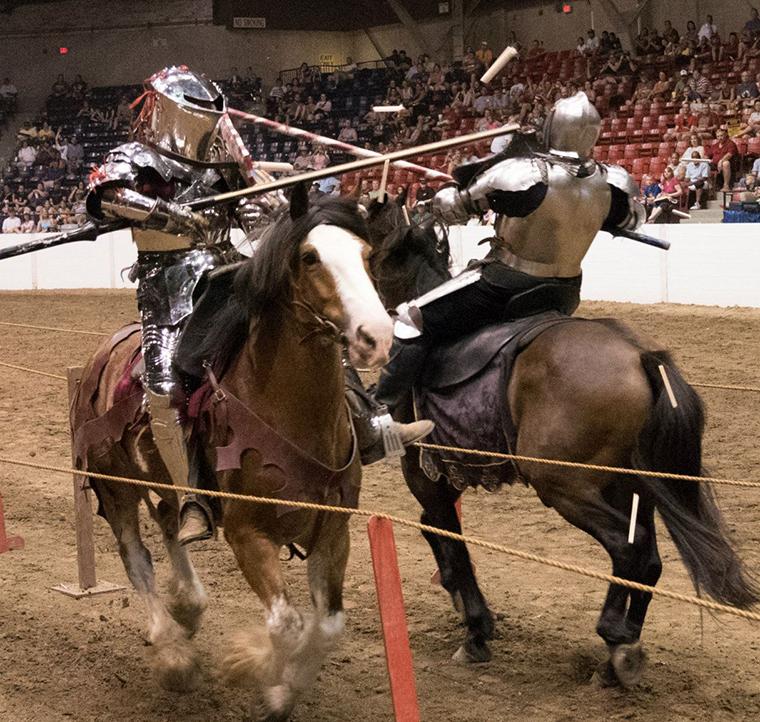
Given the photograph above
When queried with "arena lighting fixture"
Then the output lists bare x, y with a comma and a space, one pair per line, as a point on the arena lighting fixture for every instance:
387, 108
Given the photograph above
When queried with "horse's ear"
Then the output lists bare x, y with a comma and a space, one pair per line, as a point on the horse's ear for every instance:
299, 200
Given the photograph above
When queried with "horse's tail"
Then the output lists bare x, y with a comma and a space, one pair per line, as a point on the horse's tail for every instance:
671, 441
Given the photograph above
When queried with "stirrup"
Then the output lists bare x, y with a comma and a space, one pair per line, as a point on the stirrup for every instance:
392, 444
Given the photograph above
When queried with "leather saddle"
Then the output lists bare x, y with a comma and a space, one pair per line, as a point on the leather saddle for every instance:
455, 362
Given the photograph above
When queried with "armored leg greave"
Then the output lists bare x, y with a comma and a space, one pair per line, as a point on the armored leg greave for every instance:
158, 344
398, 376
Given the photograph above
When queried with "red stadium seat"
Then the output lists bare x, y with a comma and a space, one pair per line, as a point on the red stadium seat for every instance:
616, 152
633, 150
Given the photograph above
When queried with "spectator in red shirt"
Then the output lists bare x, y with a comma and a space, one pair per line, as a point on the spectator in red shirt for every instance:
724, 156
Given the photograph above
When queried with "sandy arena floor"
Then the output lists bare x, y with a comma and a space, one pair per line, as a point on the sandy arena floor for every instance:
62, 659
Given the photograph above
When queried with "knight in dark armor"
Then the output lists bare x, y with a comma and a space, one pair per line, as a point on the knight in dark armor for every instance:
185, 147
550, 201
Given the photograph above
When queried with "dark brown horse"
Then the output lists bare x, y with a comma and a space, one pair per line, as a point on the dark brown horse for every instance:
582, 391
277, 346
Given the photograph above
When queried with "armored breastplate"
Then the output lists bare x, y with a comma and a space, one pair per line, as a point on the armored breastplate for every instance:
552, 240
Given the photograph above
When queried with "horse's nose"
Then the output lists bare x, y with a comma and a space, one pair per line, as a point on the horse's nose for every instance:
372, 343
366, 338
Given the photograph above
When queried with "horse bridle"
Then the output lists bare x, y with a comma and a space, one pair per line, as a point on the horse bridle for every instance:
318, 324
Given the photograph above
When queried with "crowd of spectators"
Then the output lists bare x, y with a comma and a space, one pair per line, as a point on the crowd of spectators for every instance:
705, 84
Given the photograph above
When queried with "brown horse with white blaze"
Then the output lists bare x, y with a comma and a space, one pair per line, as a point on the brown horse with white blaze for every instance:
583, 391
276, 346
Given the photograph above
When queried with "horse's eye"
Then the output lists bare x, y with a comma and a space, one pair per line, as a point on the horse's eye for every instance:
310, 258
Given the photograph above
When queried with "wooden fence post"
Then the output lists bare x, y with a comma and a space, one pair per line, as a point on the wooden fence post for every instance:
7, 543
390, 602
88, 584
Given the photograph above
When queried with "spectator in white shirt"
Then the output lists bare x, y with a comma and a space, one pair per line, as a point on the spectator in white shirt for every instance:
756, 167
277, 90
697, 173
592, 43
26, 155
708, 29
12, 224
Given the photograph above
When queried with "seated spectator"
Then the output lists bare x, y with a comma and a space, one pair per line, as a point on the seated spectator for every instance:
698, 87
323, 106
756, 168
650, 189
674, 163
695, 146
78, 87
725, 157
303, 160
12, 223
669, 196
752, 126
423, 194
730, 51
592, 43
661, 88
484, 54
643, 44
26, 155
746, 89
38, 195
74, 154
708, 29
45, 224
320, 159
536, 50
28, 223
347, 133
697, 176
60, 87
752, 25
670, 34
580, 47
748, 188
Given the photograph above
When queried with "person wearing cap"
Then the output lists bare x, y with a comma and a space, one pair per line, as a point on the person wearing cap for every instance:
484, 54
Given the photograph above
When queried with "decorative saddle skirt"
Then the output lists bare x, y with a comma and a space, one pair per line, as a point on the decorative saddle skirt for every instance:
464, 391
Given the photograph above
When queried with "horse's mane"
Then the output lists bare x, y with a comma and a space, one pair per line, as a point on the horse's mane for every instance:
407, 260
264, 282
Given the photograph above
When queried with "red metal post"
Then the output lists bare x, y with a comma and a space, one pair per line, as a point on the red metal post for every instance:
390, 601
8, 543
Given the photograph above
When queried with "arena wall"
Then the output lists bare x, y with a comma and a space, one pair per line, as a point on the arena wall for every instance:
707, 264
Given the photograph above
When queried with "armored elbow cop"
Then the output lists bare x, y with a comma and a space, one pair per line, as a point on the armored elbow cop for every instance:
152, 213
626, 213
453, 206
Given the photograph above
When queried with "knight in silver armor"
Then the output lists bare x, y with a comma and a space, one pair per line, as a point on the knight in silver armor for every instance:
550, 201
185, 147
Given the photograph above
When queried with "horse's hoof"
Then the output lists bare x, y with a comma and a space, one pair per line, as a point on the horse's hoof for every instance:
470, 653
273, 706
177, 666
604, 676
628, 661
